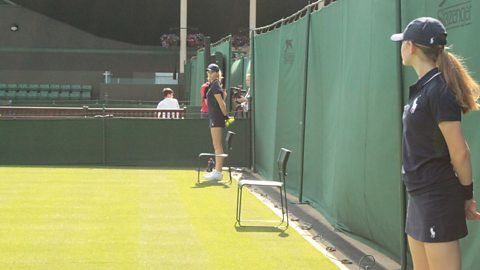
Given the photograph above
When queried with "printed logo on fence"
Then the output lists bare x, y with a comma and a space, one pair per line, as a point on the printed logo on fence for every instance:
455, 15
288, 52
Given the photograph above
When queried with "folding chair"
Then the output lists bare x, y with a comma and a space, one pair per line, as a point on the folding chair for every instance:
280, 184
228, 143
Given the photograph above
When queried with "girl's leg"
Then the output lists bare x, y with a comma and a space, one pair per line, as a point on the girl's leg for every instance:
217, 146
419, 255
443, 256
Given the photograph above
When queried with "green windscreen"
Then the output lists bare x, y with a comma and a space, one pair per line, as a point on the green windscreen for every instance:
246, 66
200, 77
291, 90
237, 72
225, 48
352, 125
267, 49
187, 78
352, 140
193, 71
471, 244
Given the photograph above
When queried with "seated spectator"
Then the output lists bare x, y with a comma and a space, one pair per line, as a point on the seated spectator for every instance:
168, 102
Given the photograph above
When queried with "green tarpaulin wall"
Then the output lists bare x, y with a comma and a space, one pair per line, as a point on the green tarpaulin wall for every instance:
350, 156
266, 66
237, 72
280, 59
225, 48
198, 77
187, 79
352, 159
240, 69
196, 66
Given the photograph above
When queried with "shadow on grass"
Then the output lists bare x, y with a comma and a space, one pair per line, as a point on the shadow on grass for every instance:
206, 184
269, 229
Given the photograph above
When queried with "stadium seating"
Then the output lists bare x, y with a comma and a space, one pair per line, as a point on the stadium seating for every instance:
25, 91
44, 90
12, 87
86, 91
3, 90
54, 91
76, 91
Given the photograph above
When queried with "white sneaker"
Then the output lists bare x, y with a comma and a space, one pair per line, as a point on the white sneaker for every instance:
207, 175
213, 176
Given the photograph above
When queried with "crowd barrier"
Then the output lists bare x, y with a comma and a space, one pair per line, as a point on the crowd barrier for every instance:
85, 111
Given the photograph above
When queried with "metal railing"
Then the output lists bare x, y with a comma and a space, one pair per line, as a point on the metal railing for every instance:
16, 112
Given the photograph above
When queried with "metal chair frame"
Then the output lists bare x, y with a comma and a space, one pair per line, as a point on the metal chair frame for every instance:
282, 161
228, 143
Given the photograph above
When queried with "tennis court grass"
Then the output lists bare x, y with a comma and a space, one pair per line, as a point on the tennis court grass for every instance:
82, 218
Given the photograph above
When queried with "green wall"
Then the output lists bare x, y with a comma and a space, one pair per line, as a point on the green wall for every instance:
114, 142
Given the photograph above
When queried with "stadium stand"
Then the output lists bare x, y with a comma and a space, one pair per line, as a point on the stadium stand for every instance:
25, 91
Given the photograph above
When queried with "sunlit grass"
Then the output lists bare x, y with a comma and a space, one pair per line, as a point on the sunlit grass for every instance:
80, 218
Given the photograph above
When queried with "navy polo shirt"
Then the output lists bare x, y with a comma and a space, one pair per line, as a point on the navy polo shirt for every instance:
214, 111
426, 160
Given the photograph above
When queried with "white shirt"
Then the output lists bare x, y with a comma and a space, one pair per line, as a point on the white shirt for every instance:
168, 103
245, 104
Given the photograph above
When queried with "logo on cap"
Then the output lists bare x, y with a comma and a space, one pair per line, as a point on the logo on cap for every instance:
425, 31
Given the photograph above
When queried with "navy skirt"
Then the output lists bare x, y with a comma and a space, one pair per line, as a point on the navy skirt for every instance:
437, 215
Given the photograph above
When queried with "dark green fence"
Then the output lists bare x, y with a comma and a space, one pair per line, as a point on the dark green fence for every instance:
114, 142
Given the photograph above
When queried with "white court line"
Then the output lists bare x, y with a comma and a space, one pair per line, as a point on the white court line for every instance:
320, 247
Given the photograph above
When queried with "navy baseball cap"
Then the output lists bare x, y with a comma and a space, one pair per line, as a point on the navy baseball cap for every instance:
213, 67
426, 31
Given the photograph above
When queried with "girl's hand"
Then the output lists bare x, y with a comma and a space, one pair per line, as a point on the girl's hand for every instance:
471, 212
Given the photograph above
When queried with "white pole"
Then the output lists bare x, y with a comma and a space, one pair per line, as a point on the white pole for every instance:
253, 15
183, 34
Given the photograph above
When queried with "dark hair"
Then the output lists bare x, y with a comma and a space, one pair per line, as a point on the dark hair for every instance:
167, 91
456, 75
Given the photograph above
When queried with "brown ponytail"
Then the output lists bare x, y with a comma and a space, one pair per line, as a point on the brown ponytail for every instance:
456, 75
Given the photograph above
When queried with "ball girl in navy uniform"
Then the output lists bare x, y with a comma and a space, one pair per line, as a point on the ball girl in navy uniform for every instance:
437, 170
217, 114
